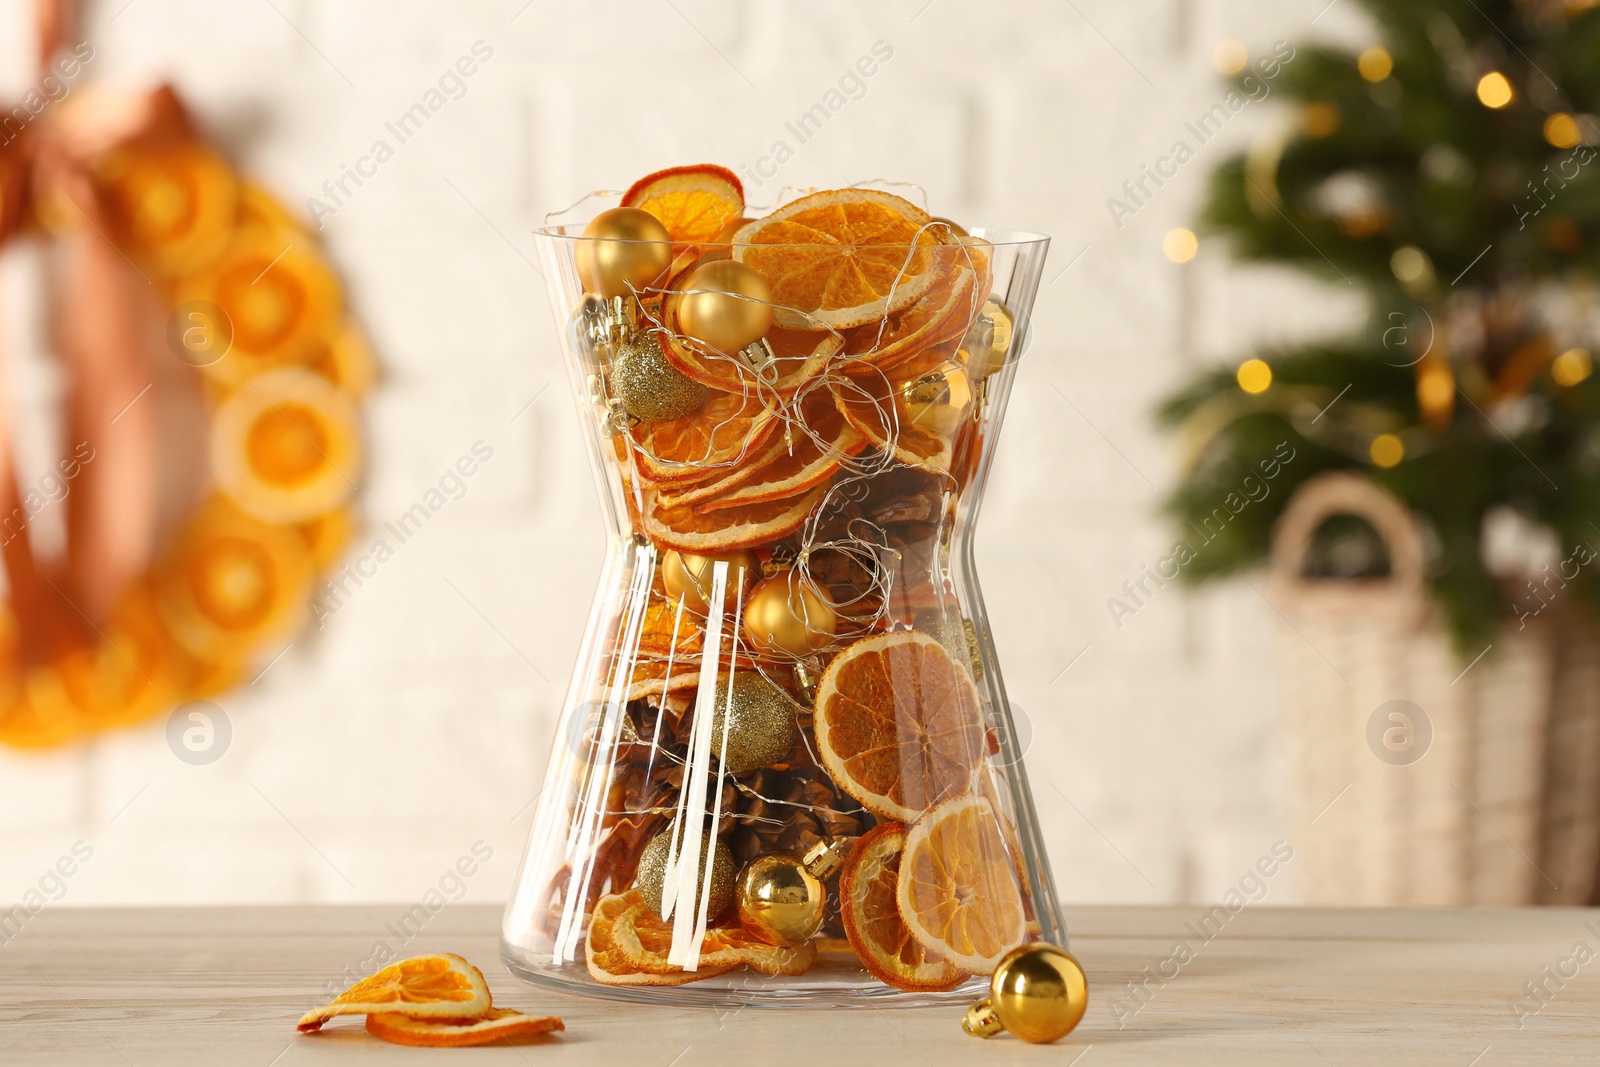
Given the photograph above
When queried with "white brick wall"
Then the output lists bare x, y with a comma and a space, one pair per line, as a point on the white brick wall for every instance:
378, 750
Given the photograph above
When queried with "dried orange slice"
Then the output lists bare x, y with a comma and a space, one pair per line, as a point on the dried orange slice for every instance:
958, 888
647, 940
726, 428
723, 531
791, 462
872, 916
170, 206
501, 1024
897, 723
695, 203
840, 258
609, 963
939, 318
423, 987
286, 446
868, 402
279, 295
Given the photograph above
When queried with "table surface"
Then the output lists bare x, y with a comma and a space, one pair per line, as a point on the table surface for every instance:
130, 987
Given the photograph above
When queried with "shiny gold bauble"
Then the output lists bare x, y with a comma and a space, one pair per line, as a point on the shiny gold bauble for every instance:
759, 722
779, 900
649, 387
937, 402
1037, 992
988, 341
623, 249
689, 576
784, 615
733, 309
651, 875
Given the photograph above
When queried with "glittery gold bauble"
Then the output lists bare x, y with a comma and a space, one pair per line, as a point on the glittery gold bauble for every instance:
779, 900
623, 249
1037, 992
759, 720
649, 387
651, 875
784, 615
988, 341
734, 308
936, 402
689, 576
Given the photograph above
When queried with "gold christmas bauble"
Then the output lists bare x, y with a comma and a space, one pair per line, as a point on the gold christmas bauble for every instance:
651, 875
623, 249
988, 341
780, 900
649, 387
759, 721
1037, 992
689, 576
784, 615
733, 308
937, 402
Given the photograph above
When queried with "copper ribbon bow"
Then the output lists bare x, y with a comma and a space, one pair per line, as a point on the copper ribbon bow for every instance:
105, 327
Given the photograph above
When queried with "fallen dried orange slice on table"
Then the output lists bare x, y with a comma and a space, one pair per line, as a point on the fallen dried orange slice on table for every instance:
423, 987
897, 724
867, 887
957, 890
841, 258
501, 1024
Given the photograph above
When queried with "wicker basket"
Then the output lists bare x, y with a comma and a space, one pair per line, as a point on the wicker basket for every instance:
1501, 805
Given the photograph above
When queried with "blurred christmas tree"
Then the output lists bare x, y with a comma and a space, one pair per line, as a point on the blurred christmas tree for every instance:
1448, 172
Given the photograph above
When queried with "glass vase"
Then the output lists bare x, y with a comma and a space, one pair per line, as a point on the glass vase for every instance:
785, 769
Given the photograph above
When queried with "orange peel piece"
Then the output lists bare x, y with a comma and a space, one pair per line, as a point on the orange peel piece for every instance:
500, 1024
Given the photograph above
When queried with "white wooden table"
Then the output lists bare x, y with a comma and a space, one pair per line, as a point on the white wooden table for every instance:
1277, 986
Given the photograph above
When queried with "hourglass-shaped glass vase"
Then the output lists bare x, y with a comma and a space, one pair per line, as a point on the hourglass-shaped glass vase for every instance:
785, 769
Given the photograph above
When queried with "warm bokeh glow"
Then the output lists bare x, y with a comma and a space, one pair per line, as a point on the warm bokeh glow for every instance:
1254, 376
1375, 64
1494, 90
1180, 245
1230, 56
1561, 130
1387, 450
1572, 366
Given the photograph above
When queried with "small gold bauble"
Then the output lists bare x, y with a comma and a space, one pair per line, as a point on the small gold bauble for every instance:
651, 875
649, 387
784, 615
759, 720
733, 309
623, 249
988, 341
779, 900
689, 576
937, 402
1037, 992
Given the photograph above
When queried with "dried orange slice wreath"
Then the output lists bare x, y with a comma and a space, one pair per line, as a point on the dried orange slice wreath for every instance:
284, 438
500, 1024
423, 987
898, 725
958, 890
880, 938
